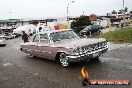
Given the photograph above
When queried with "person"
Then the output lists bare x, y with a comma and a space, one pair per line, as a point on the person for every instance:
25, 37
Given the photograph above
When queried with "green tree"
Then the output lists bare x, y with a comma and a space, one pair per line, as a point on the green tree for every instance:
114, 12
80, 23
130, 12
120, 11
126, 9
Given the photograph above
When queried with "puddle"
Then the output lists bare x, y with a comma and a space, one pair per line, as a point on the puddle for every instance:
7, 64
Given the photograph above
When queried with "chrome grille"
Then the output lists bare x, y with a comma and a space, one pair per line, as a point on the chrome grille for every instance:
91, 47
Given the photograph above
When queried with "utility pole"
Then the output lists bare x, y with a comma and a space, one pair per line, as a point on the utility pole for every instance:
83, 13
124, 13
68, 11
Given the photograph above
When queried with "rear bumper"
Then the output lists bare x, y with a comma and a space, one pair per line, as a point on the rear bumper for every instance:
87, 56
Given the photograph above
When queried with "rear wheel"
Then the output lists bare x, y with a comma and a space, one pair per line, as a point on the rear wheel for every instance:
64, 60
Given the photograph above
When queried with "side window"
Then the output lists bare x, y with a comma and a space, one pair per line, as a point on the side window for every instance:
44, 38
36, 38
90, 27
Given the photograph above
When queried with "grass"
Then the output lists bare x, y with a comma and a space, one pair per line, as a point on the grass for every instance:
119, 36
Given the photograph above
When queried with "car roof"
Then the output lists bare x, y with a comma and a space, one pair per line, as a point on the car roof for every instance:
51, 31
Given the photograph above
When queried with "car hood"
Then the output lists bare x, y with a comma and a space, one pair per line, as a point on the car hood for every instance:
74, 43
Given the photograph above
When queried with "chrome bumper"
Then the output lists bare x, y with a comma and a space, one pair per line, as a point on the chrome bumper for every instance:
87, 55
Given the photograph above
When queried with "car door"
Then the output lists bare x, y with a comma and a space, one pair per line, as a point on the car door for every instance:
34, 45
43, 46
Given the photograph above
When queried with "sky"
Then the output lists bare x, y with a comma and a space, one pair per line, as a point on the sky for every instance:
58, 8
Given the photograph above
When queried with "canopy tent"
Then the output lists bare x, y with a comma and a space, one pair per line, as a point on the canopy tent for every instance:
9, 20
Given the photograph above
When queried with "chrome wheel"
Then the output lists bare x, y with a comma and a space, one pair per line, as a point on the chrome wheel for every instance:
64, 60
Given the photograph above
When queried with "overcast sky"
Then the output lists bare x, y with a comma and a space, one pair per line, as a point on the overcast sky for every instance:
57, 8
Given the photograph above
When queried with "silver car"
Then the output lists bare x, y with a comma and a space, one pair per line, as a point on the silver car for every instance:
2, 41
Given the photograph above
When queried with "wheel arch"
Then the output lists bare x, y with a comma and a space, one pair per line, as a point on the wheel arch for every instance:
58, 54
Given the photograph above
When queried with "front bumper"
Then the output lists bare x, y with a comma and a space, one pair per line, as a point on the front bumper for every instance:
87, 56
2, 44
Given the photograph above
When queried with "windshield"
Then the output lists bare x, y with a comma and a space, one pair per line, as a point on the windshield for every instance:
61, 35
88, 27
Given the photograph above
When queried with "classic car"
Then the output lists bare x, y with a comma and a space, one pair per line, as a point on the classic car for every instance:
2, 41
91, 28
64, 46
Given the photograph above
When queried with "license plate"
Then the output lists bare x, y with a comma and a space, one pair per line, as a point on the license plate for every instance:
95, 55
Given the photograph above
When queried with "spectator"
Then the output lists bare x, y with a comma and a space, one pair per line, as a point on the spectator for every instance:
25, 37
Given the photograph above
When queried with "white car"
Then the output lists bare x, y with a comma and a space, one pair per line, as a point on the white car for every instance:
2, 40
9, 36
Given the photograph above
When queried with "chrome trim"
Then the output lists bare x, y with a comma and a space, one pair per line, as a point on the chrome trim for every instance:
35, 50
87, 54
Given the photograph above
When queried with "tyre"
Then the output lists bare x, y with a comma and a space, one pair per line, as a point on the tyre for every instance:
64, 60
96, 59
4, 45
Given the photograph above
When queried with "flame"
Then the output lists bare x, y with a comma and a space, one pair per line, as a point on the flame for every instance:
84, 73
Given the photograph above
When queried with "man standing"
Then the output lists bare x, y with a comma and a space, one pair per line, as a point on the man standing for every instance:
25, 37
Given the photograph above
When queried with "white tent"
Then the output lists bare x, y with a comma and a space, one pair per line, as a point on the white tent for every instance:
29, 29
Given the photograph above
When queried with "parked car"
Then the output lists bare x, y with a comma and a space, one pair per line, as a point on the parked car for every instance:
91, 28
64, 46
16, 35
2, 41
9, 36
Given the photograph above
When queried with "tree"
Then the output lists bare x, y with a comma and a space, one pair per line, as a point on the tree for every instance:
126, 9
130, 12
80, 23
120, 11
114, 12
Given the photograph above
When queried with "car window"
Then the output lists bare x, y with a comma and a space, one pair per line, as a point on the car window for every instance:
44, 38
86, 28
36, 38
62, 35
90, 27
94, 27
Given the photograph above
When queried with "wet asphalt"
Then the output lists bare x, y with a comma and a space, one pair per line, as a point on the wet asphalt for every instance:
18, 70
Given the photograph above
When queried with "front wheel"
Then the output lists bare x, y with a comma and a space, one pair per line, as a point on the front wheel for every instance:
96, 59
64, 60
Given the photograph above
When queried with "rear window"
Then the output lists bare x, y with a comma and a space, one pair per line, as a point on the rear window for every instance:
88, 27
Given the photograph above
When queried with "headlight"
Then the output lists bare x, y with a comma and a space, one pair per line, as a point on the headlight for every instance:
78, 50
104, 43
90, 48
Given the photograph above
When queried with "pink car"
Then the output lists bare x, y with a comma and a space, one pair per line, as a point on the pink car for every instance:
64, 46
